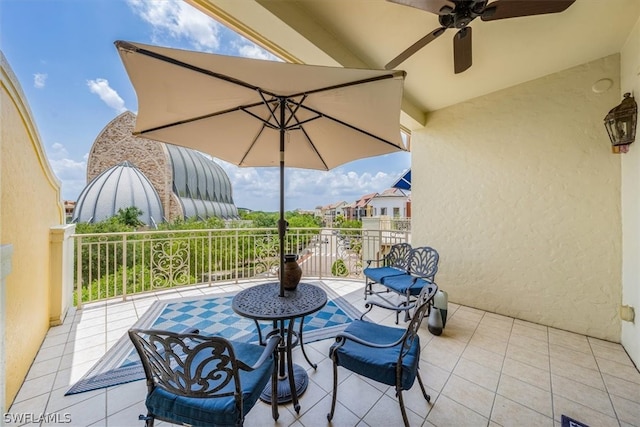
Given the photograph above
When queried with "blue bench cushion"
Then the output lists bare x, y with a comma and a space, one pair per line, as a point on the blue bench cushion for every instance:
198, 411
378, 273
378, 363
404, 283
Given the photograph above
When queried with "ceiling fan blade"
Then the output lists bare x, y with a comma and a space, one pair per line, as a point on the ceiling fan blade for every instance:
462, 57
414, 48
502, 9
433, 6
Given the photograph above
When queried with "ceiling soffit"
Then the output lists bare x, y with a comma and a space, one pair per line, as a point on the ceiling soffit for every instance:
368, 33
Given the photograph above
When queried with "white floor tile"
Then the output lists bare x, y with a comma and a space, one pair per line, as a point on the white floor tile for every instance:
484, 370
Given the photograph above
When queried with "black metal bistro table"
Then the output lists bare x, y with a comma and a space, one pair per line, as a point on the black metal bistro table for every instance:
263, 302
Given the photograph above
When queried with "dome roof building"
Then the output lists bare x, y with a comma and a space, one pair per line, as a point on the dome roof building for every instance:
119, 187
202, 187
187, 183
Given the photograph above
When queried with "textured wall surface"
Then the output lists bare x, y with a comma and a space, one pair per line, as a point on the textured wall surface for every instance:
520, 194
30, 203
630, 82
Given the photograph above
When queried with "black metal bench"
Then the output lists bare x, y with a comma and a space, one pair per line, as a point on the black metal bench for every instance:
405, 271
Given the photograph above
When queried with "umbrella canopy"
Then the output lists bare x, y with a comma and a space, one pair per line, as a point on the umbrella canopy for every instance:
404, 183
264, 113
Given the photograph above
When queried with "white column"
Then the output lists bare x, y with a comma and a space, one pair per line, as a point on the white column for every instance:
61, 269
6, 251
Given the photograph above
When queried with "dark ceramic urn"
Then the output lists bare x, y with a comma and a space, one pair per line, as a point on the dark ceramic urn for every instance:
292, 272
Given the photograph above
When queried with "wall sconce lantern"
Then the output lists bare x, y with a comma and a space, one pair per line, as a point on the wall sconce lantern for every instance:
621, 124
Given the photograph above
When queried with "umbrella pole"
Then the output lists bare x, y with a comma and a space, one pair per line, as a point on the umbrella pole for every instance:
282, 225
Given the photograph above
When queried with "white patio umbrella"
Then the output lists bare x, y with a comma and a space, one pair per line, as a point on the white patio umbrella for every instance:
264, 113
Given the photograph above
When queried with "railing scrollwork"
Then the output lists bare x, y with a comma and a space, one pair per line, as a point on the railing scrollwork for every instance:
170, 262
112, 265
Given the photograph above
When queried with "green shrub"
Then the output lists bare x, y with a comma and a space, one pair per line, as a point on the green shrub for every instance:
138, 280
339, 269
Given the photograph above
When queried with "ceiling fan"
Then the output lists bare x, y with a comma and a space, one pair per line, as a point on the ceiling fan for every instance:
459, 14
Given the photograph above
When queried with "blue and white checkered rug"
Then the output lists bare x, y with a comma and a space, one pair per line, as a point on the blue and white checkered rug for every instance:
212, 315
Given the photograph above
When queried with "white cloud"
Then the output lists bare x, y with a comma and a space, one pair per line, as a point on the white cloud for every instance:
69, 169
179, 20
70, 172
259, 188
250, 50
39, 80
109, 96
312, 188
58, 151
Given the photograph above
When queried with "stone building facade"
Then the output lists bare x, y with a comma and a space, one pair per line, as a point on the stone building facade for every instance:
188, 184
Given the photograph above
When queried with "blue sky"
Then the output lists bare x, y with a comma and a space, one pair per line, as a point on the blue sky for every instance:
63, 55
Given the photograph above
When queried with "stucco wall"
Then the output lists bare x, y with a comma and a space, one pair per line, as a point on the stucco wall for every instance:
520, 194
630, 82
30, 204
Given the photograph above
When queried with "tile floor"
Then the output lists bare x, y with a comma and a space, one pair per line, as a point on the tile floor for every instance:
484, 370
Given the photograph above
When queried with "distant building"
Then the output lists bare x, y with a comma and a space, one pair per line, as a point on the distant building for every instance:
69, 206
332, 211
187, 184
362, 207
391, 203
306, 212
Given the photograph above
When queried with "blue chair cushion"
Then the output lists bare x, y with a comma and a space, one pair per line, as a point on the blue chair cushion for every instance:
217, 411
378, 273
378, 364
402, 284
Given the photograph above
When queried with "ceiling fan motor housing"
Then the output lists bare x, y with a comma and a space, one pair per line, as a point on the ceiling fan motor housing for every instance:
464, 12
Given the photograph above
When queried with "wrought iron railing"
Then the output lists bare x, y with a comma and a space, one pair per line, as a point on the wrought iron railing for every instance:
112, 265
401, 224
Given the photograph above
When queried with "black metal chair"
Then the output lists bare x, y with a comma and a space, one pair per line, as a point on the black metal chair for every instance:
423, 266
385, 354
420, 271
203, 381
394, 263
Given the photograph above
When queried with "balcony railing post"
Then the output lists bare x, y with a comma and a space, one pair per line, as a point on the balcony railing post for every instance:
79, 272
237, 256
321, 258
210, 246
124, 267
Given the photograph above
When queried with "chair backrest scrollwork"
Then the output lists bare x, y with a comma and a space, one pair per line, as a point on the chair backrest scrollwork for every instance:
423, 262
188, 364
398, 256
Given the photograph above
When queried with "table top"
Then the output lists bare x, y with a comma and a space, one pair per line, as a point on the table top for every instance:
263, 302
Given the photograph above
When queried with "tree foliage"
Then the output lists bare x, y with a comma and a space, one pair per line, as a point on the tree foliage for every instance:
193, 223
299, 220
110, 225
270, 219
351, 223
261, 219
213, 247
130, 216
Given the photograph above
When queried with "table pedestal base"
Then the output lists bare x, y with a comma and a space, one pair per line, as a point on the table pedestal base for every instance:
301, 380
